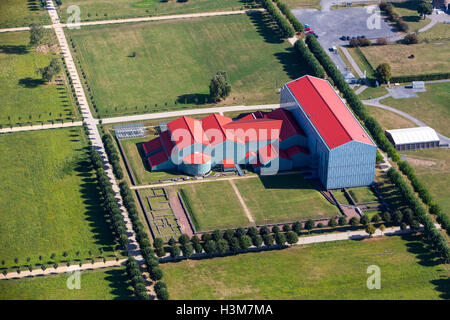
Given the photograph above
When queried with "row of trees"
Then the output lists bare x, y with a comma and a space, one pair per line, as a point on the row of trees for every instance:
359, 42
298, 26
113, 156
306, 57
137, 281
352, 100
436, 239
108, 198
388, 8
147, 252
284, 25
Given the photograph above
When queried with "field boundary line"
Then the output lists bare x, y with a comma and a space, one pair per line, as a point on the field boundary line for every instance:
244, 206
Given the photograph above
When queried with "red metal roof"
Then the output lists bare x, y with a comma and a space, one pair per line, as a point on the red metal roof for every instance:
289, 127
157, 158
152, 145
327, 112
213, 127
250, 154
255, 130
292, 151
228, 163
197, 158
167, 142
186, 131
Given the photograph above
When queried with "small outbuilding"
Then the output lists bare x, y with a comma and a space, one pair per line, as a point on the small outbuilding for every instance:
413, 138
418, 85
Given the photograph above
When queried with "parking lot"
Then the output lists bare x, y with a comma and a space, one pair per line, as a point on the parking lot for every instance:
331, 25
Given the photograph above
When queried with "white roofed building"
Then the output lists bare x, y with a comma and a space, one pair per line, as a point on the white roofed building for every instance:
413, 138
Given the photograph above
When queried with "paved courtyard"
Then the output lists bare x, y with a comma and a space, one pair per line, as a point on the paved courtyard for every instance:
401, 92
331, 25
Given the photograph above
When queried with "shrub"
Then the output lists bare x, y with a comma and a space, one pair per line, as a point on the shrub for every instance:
291, 237
411, 39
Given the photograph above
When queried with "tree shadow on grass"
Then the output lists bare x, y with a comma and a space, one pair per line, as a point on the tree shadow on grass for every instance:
31, 83
411, 18
95, 215
13, 49
265, 27
193, 98
32, 5
291, 63
442, 285
118, 281
425, 255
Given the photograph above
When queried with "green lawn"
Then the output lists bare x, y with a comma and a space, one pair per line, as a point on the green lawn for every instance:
372, 93
431, 107
294, 4
428, 57
389, 120
214, 205
433, 168
23, 95
408, 12
20, 13
362, 63
50, 202
104, 284
175, 61
284, 198
334, 270
439, 31
362, 194
107, 9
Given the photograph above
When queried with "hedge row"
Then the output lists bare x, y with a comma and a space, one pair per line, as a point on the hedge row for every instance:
313, 66
436, 239
284, 25
421, 77
137, 281
352, 99
388, 8
147, 252
298, 26
109, 202
113, 156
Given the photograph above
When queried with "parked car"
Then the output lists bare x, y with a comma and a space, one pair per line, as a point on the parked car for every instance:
343, 38
315, 35
347, 38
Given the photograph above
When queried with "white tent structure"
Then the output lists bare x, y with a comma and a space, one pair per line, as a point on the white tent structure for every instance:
413, 138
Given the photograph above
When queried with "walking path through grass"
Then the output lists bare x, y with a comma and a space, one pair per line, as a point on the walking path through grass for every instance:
42, 127
244, 206
142, 19
62, 269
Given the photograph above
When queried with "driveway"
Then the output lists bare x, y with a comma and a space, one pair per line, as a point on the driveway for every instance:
331, 25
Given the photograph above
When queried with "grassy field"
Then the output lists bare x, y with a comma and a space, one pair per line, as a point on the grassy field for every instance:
372, 92
360, 60
335, 270
440, 31
428, 57
107, 9
433, 168
389, 120
431, 107
50, 202
408, 12
23, 94
293, 4
362, 194
176, 60
20, 13
105, 284
284, 198
214, 205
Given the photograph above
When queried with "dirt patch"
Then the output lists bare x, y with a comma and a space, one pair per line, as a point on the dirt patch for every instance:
47, 48
421, 162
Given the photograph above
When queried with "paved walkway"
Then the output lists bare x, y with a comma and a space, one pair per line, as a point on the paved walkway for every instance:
94, 135
352, 61
361, 89
242, 202
42, 127
140, 19
181, 113
62, 269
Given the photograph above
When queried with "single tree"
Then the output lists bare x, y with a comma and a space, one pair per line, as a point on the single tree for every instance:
291, 237
342, 221
370, 229
280, 238
383, 73
50, 71
245, 242
187, 250
332, 223
210, 247
382, 228
174, 251
222, 246
364, 220
424, 8
309, 225
183, 239
234, 244
36, 34
219, 87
